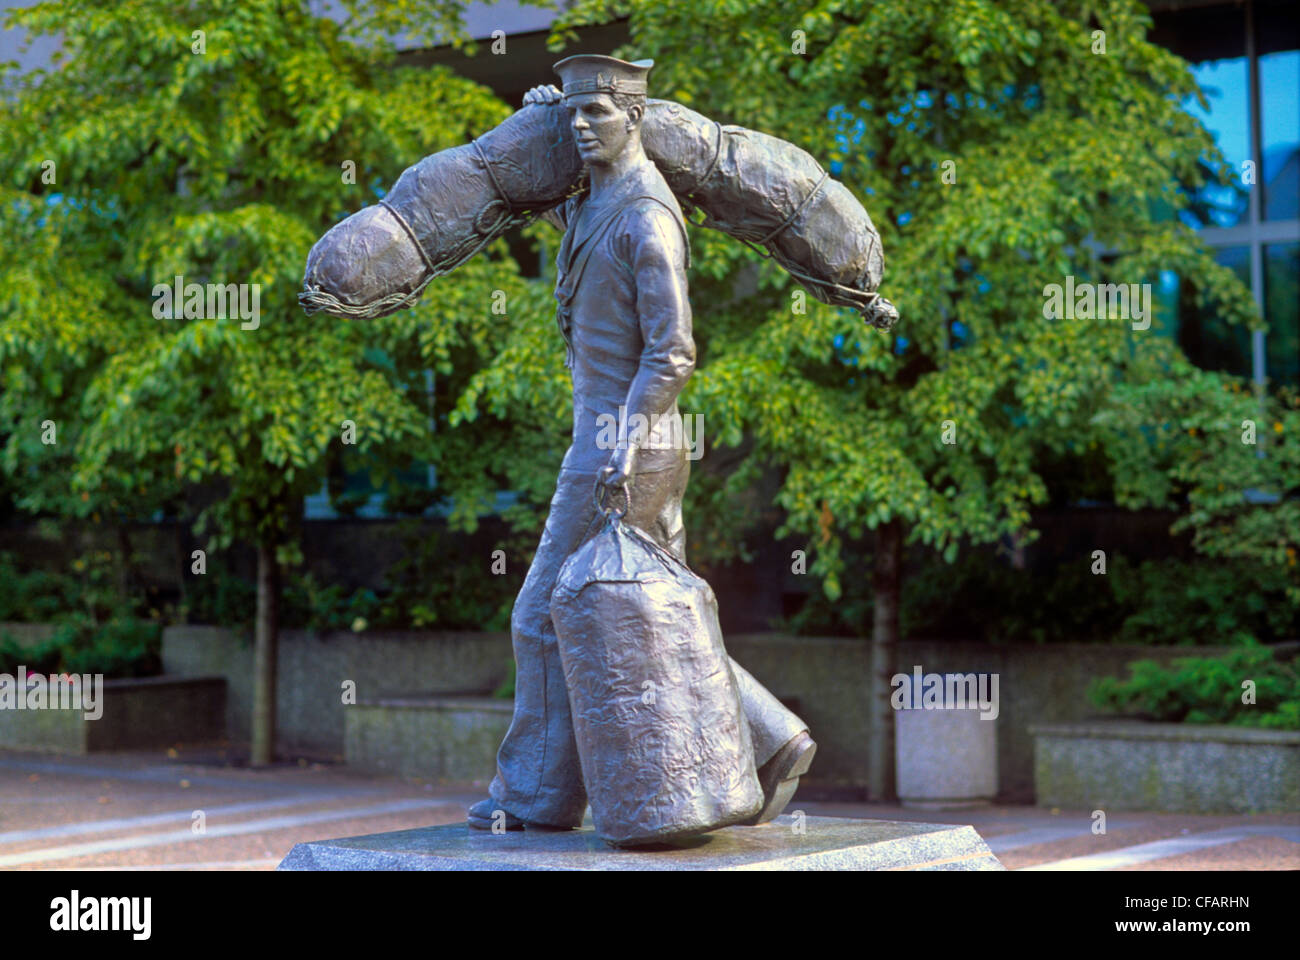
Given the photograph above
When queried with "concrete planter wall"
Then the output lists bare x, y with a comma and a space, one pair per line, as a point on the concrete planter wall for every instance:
313, 668
828, 677
1174, 767
433, 738
1038, 683
26, 635
153, 712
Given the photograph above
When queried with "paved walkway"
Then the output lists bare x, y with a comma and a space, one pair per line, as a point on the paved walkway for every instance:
192, 811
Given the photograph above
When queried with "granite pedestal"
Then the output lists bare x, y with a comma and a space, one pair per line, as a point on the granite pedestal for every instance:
787, 843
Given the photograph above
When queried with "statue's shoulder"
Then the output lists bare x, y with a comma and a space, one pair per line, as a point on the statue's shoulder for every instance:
648, 210
650, 200
653, 215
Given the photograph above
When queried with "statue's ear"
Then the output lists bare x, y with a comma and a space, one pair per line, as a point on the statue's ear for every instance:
634, 114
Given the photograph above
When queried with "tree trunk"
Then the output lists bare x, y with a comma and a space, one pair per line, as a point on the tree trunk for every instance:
126, 578
1018, 550
264, 653
884, 644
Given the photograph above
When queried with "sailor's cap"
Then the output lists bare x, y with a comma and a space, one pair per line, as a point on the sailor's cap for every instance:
592, 73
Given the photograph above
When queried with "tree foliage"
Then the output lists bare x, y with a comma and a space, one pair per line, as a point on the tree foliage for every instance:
1227, 456
211, 141
997, 151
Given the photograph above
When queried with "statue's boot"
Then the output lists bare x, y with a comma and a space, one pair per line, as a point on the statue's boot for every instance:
487, 812
783, 750
779, 777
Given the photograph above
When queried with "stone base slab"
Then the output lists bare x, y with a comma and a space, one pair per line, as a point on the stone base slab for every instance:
787, 843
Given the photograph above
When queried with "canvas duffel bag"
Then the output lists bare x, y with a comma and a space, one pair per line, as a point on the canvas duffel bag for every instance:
662, 738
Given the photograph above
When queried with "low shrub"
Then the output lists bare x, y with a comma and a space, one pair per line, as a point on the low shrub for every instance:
96, 628
117, 648
1208, 690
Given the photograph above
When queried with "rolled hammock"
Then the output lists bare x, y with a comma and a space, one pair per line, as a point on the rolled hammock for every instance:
759, 189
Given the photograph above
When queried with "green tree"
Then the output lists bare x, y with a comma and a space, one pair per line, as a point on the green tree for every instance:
1226, 456
215, 141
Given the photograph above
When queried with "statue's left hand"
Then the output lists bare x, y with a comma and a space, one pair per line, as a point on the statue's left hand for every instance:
619, 470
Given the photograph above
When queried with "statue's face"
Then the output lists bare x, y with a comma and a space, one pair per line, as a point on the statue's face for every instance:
600, 129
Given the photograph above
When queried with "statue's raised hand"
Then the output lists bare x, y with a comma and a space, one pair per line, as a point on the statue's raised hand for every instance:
548, 93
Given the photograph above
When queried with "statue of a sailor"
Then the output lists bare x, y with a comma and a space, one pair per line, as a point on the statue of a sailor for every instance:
625, 316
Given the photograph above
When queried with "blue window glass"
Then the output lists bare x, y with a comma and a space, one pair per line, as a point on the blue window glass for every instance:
1279, 102
1225, 84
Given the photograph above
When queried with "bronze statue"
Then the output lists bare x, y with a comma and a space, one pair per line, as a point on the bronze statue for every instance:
724, 750
626, 319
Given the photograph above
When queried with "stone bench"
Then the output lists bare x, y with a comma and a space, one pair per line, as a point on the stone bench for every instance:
438, 737
138, 714
1172, 767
